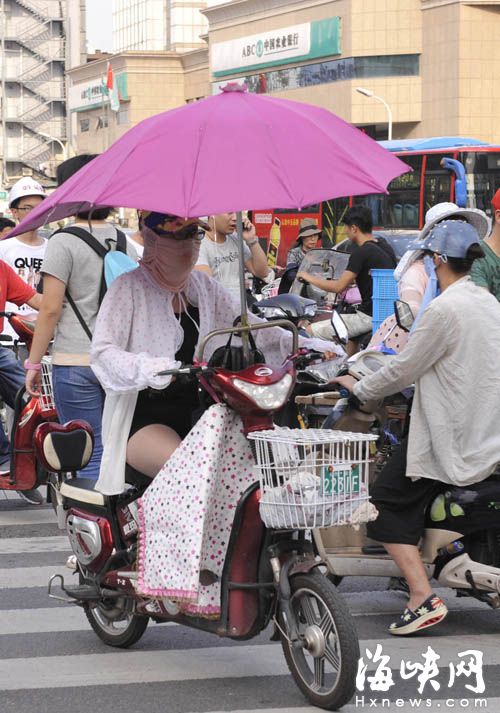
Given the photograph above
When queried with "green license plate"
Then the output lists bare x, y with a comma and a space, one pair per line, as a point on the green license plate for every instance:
341, 479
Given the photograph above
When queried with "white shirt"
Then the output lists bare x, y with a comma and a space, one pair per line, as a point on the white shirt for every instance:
223, 260
454, 358
137, 335
26, 261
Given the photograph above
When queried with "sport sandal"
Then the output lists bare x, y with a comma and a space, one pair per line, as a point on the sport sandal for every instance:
430, 613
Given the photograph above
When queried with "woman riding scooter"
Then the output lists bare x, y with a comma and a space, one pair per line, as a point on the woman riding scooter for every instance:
452, 357
165, 309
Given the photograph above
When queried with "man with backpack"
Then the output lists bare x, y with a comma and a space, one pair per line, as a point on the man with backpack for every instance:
73, 288
368, 253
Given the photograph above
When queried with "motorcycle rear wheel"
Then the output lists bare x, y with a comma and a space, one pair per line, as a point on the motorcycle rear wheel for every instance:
113, 624
122, 633
325, 666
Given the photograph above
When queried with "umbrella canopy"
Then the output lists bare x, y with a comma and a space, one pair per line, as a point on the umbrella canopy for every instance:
229, 152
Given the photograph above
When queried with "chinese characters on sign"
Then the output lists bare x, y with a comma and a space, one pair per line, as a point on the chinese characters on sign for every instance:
470, 665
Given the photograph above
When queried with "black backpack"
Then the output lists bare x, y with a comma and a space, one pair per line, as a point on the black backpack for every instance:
92, 242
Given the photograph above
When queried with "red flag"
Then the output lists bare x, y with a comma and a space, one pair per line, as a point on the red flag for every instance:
109, 78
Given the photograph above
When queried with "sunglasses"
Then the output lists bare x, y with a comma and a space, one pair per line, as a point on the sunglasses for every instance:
175, 227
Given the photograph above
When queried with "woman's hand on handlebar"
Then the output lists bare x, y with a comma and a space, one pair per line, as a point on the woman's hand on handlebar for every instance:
33, 382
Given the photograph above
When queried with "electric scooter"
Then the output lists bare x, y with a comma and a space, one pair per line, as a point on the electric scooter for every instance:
271, 572
460, 547
26, 471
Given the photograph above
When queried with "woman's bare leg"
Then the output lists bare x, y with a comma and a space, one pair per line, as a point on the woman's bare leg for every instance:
151, 447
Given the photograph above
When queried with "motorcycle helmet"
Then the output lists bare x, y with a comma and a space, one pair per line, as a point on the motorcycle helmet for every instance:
450, 238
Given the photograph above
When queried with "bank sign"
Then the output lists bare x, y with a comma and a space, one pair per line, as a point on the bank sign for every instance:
94, 94
320, 38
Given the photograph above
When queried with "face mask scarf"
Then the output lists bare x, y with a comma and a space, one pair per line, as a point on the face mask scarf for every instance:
168, 257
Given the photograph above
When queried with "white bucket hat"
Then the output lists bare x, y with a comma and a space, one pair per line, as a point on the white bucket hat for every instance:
477, 218
26, 187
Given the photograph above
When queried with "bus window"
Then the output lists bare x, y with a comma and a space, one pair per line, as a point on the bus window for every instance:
400, 209
483, 177
333, 213
437, 181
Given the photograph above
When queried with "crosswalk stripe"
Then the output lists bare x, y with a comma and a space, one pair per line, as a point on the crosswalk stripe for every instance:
25, 545
142, 666
46, 620
211, 662
21, 577
38, 516
31, 621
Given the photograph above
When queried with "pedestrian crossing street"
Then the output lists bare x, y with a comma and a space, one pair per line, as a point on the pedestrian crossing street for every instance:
51, 661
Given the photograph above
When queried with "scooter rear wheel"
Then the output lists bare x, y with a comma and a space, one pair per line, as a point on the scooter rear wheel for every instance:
113, 623
324, 667
121, 632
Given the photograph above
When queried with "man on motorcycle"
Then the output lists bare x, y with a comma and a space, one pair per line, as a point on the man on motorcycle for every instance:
368, 253
452, 357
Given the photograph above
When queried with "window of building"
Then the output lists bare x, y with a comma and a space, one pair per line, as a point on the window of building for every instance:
84, 125
102, 122
335, 70
122, 116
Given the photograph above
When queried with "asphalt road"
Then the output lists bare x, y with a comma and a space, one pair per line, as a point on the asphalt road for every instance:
52, 662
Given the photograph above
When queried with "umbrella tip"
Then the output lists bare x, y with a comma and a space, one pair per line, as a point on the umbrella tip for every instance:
234, 87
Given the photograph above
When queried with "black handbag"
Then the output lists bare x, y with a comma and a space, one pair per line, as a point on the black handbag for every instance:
231, 357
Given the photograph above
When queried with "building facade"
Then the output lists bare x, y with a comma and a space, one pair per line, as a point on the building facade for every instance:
39, 41
153, 25
148, 83
432, 61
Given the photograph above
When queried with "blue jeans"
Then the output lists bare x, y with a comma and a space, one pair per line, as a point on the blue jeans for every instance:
78, 394
11, 380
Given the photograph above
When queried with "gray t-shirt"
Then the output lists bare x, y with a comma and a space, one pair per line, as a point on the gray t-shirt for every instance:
74, 262
222, 259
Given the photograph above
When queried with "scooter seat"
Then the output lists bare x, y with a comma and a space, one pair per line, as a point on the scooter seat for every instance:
82, 490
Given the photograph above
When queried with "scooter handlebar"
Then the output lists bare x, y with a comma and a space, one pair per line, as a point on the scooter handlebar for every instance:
186, 370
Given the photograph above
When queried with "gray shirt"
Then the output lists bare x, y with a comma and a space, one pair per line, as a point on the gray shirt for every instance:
71, 260
222, 259
453, 358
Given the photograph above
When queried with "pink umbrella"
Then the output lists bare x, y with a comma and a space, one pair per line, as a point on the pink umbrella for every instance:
229, 152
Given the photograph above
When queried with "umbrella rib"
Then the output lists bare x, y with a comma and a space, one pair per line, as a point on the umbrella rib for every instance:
285, 178
201, 131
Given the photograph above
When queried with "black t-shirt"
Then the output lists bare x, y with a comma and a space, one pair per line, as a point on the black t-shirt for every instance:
374, 254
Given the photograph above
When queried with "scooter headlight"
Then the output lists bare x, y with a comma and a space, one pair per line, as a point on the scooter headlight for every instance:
269, 396
310, 310
271, 312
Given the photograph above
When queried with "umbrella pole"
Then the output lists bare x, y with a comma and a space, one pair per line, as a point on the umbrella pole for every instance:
243, 295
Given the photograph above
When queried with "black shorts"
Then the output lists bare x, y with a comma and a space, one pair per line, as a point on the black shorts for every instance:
177, 413
401, 502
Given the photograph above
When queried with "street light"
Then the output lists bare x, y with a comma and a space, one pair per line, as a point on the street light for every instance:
58, 141
369, 93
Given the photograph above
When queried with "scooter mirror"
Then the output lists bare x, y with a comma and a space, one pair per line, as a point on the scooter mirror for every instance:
339, 328
404, 315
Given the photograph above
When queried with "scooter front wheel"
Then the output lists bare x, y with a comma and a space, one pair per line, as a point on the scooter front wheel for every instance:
324, 664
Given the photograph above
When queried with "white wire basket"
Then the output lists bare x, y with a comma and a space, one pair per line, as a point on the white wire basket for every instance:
313, 478
46, 391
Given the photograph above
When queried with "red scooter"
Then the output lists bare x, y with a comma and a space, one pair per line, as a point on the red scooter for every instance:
26, 470
270, 575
